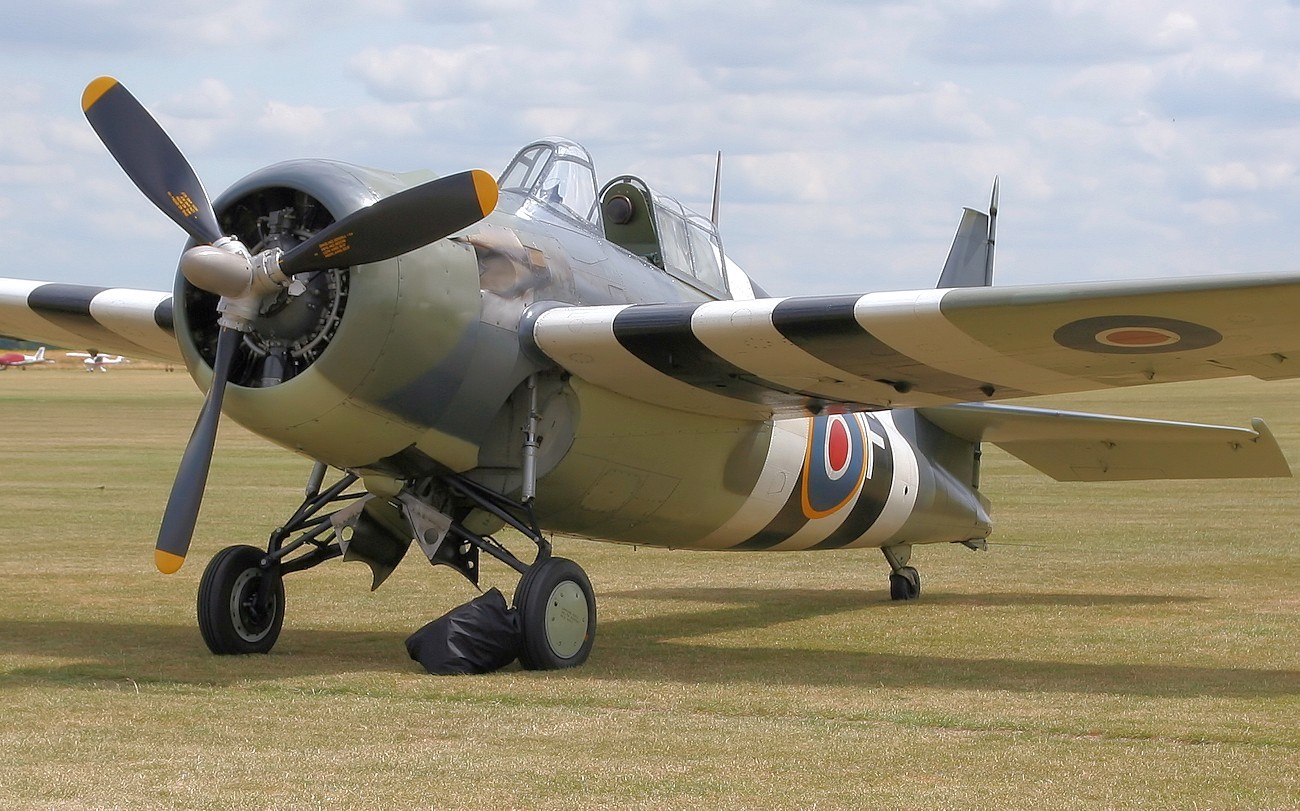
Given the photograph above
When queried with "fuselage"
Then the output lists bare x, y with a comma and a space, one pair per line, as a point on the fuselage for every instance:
419, 369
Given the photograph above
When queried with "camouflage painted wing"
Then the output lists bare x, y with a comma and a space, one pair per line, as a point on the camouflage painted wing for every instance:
752, 359
115, 320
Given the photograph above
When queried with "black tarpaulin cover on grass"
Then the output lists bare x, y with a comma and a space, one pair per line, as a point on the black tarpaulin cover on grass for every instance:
478, 637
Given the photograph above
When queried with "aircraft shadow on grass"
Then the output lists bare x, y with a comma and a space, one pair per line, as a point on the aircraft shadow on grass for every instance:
668, 652
657, 647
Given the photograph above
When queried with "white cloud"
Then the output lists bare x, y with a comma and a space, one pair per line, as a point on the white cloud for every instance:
206, 99
853, 132
1238, 176
283, 119
1178, 30
418, 73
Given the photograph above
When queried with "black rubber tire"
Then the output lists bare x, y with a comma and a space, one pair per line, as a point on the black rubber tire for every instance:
905, 584
228, 619
557, 615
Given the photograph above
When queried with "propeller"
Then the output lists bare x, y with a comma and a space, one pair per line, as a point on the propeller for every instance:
397, 224
222, 265
392, 226
192, 476
148, 156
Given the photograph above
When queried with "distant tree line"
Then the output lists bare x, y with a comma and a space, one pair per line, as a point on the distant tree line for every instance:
13, 343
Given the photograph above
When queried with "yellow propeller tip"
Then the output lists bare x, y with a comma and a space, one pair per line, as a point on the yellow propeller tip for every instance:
166, 562
95, 90
485, 188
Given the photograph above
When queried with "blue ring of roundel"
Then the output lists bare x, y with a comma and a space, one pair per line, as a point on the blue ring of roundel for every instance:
828, 488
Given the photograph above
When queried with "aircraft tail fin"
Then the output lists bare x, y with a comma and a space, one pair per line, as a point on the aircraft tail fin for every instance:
970, 260
40, 355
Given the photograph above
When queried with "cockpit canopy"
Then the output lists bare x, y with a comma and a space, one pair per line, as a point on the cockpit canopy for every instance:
557, 174
665, 233
557, 179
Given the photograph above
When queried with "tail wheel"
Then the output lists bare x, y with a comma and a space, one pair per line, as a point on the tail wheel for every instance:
557, 613
240, 604
905, 584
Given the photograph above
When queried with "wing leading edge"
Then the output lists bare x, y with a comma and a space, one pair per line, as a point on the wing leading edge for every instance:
121, 321
753, 359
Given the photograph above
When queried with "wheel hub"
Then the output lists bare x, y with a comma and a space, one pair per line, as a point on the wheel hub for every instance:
566, 619
250, 623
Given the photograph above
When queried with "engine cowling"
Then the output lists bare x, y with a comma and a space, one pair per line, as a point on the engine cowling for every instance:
360, 367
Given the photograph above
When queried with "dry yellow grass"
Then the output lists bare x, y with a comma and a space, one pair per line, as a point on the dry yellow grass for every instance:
1128, 646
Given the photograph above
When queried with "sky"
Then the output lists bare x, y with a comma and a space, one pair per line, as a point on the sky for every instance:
1133, 138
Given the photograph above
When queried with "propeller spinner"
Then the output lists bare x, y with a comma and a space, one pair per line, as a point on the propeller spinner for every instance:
222, 265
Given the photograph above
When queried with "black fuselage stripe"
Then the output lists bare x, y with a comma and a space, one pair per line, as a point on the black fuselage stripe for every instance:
781, 528
67, 306
827, 328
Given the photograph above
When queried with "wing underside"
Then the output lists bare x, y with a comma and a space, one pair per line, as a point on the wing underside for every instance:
1072, 446
752, 359
122, 321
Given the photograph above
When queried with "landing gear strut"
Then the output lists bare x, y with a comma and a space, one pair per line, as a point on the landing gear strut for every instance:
554, 598
241, 596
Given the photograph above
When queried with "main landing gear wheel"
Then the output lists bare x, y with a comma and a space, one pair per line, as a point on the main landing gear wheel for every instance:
241, 605
905, 584
557, 615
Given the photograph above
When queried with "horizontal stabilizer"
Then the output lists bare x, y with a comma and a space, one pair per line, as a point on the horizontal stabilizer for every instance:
1073, 446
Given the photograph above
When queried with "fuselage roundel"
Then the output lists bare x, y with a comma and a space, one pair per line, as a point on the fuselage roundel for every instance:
847, 474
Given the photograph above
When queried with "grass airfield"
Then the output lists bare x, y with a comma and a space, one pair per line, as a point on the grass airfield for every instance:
1119, 646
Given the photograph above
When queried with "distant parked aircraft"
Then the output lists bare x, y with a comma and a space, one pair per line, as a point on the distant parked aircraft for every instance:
20, 360
97, 361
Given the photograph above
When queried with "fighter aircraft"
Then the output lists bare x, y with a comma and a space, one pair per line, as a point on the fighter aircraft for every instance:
21, 361
95, 361
547, 354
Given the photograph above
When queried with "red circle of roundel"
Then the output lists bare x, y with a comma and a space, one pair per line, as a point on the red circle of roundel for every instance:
839, 450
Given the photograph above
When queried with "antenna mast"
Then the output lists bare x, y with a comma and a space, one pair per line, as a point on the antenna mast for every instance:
993, 233
717, 189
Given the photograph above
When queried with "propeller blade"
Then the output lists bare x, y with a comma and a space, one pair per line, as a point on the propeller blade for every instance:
396, 224
149, 158
192, 475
